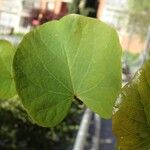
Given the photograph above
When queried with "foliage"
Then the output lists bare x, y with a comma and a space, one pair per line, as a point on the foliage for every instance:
84, 7
74, 7
139, 16
74, 58
7, 85
131, 119
139, 6
18, 132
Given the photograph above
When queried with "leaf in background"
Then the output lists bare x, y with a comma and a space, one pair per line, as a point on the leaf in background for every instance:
7, 85
131, 118
74, 57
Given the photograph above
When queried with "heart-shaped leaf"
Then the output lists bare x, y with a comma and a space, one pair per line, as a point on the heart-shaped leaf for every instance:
74, 58
131, 119
7, 85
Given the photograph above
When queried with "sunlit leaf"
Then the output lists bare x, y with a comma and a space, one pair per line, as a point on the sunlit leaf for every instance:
131, 119
7, 86
60, 60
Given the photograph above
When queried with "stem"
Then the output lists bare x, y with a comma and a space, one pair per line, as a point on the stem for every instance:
78, 100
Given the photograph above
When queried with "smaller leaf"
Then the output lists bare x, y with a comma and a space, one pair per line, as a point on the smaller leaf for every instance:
131, 118
7, 86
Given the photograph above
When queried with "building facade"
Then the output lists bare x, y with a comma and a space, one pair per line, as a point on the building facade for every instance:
116, 13
10, 16
18, 14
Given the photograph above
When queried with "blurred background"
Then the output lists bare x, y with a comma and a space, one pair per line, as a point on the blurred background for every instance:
82, 129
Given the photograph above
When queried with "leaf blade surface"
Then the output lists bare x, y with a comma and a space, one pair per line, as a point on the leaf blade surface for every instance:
7, 85
68, 57
131, 119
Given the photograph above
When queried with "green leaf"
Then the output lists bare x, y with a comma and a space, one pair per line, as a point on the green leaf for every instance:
74, 57
131, 119
7, 85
